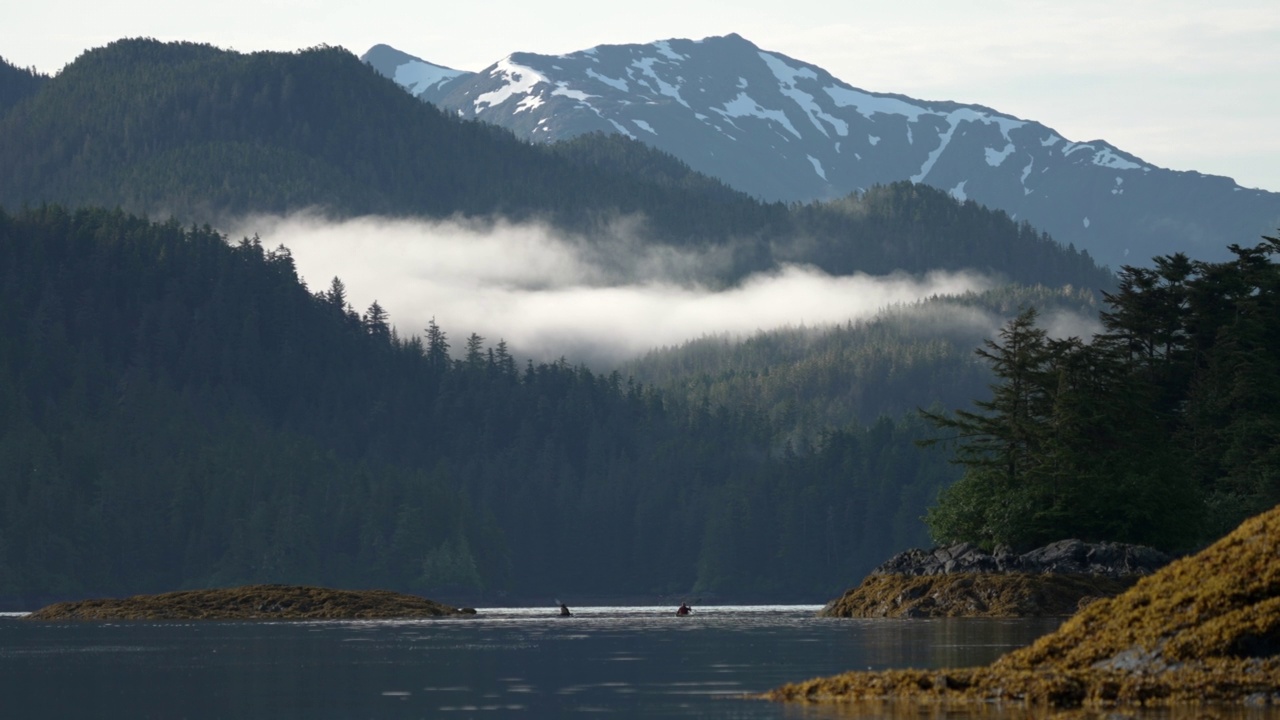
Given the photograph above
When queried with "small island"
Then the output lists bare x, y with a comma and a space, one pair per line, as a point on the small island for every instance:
1205, 629
253, 602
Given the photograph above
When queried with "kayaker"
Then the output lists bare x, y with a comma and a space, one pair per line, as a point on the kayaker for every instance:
564, 610
684, 609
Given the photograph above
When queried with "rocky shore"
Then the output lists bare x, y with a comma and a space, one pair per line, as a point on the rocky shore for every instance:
253, 602
964, 581
1065, 557
1204, 630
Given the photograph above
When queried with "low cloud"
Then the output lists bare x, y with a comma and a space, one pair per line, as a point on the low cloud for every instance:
599, 302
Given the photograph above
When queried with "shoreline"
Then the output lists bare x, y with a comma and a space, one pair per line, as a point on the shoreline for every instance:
1203, 630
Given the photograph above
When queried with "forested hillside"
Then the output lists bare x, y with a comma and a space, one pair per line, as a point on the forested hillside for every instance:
806, 381
17, 84
207, 135
177, 411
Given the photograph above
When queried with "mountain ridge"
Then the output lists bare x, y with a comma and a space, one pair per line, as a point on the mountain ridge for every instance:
784, 130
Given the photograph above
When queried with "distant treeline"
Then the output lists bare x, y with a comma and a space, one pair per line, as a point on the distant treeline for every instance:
177, 411
807, 380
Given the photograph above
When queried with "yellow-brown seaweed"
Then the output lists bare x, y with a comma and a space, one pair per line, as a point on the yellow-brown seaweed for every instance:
251, 602
974, 595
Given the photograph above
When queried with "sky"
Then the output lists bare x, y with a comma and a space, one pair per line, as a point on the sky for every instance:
1182, 84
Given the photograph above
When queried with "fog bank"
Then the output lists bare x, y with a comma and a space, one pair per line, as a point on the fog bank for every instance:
599, 302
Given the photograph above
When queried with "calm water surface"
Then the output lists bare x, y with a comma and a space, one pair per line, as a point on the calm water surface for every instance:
622, 662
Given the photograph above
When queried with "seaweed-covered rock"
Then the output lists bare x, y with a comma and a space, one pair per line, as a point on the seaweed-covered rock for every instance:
1204, 629
973, 595
251, 602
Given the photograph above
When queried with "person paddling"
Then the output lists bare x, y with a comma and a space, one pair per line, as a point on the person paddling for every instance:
684, 609
564, 610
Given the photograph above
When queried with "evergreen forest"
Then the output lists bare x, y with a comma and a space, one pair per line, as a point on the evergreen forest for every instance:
1163, 429
807, 380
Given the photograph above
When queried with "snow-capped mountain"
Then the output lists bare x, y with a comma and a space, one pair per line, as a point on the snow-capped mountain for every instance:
782, 129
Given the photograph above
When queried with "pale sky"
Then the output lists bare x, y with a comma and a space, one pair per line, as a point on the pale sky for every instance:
1182, 84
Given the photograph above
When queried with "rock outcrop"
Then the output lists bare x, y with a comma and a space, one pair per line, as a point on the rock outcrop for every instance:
964, 581
1203, 630
1065, 557
252, 602
973, 595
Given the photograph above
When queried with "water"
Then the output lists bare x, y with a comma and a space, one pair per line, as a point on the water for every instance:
622, 662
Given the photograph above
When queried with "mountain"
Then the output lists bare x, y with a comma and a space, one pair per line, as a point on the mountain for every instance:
781, 129
202, 134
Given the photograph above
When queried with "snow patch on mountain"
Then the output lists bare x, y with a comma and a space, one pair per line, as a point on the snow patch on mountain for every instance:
1070, 148
996, 158
645, 65
417, 77
616, 83
817, 167
529, 102
1106, 158
787, 77
622, 129
664, 47
563, 90
520, 80
868, 105
744, 106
